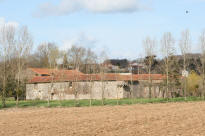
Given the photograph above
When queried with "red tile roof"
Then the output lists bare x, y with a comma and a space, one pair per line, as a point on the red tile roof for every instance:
94, 77
46, 71
41, 71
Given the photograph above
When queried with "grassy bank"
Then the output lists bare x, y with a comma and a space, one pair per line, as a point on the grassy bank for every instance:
85, 103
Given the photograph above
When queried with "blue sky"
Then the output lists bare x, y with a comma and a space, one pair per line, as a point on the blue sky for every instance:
116, 26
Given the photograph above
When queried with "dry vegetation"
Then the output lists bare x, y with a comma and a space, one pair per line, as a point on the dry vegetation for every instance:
149, 119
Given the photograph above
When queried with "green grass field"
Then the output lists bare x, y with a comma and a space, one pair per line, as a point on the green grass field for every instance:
84, 103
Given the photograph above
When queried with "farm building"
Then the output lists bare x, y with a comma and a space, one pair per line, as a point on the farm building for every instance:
71, 84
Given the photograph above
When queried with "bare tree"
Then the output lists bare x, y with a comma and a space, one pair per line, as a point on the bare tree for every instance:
76, 57
7, 41
53, 56
90, 64
167, 47
23, 46
202, 47
50, 54
131, 79
149, 47
185, 45
42, 55
102, 57
116, 78
65, 60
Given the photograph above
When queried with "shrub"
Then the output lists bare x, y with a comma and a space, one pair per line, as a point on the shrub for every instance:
194, 81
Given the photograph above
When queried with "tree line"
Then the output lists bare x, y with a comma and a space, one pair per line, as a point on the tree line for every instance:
173, 65
17, 54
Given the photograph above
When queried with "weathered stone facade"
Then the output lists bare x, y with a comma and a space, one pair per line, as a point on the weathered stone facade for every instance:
90, 90
72, 90
60, 84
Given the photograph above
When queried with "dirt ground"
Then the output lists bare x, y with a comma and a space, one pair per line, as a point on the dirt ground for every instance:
151, 119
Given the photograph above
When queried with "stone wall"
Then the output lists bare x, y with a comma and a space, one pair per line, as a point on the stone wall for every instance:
72, 90
92, 90
141, 90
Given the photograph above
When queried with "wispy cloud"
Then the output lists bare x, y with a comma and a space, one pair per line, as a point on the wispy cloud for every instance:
65, 7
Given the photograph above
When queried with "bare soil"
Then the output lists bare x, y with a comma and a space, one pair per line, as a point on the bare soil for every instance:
150, 119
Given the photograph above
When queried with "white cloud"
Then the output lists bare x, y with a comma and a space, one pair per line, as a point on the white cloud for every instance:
96, 6
9, 23
82, 39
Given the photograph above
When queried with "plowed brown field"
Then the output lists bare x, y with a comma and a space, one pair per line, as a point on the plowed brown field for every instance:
151, 119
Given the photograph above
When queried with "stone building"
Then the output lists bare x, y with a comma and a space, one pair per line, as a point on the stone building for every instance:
72, 84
